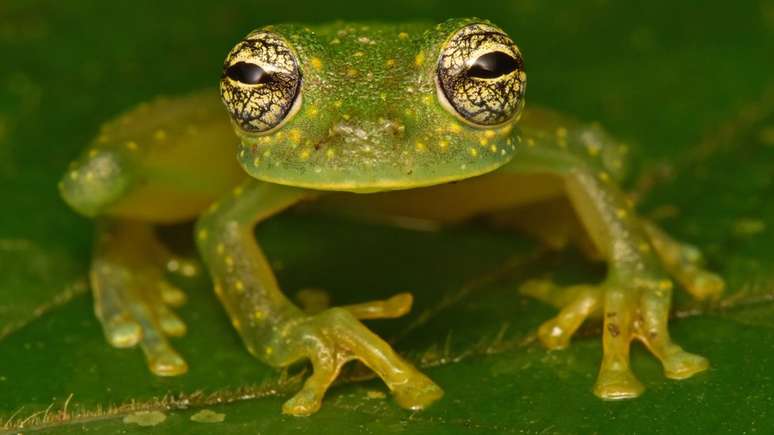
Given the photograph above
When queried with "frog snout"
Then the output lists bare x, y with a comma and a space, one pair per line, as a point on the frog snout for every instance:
95, 182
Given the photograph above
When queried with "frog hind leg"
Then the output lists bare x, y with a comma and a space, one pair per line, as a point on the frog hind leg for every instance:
132, 298
278, 332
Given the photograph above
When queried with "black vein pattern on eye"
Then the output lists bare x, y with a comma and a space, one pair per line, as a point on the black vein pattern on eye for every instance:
261, 107
486, 101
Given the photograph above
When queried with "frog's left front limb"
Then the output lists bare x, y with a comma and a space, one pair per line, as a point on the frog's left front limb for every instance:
634, 300
275, 330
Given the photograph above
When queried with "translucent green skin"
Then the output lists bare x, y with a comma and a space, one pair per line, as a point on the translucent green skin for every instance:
373, 86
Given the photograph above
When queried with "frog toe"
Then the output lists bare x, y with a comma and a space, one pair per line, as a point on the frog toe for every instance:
617, 384
121, 332
684, 365
684, 262
577, 303
417, 395
705, 285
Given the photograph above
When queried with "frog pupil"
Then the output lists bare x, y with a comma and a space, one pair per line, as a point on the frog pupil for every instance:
492, 65
247, 73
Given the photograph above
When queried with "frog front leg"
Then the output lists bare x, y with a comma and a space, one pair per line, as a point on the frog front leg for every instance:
634, 300
276, 331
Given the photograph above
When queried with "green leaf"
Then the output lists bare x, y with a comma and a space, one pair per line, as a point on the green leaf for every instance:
687, 84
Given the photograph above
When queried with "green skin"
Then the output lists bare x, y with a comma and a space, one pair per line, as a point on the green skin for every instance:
370, 135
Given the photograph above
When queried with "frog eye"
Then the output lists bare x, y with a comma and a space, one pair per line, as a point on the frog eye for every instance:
481, 76
261, 82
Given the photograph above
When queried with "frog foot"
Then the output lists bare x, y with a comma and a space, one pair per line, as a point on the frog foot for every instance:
132, 299
634, 308
335, 336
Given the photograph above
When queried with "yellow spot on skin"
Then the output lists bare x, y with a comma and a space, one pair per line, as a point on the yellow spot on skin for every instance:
132, 145
220, 249
269, 350
483, 142
304, 154
330, 153
229, 260
313, 111
256, 161
358, 54
403, 35
455, 128
295, 135
604, 176
239, 286
202, 235
337, 103
665, 284
160, 135
238, 191
493, 149
383, 96
351, 72
236, 323
420, 147
419, 59
345, 116
489, 134
530, 142
443, 145
258, 314
390, 62
621, 213
316, 63
427, 99
593, 149
473, 152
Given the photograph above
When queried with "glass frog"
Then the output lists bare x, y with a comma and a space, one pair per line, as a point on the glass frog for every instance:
402, 120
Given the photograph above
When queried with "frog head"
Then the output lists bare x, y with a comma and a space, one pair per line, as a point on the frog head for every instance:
371, 107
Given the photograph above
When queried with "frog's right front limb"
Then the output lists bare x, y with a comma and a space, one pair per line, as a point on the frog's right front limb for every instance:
275, 330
